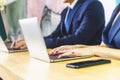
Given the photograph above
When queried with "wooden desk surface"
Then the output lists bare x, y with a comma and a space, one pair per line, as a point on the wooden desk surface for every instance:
20, 66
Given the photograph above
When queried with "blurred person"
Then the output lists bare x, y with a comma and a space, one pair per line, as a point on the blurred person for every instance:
109, 48
11, 12
45, 10
79, 26
85, 25
14, 11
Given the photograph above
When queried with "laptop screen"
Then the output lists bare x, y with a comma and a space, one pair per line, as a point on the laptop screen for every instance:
34, 39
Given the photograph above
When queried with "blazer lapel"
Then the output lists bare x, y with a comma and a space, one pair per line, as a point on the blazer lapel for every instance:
114, 29
115, 12
62, 26
110, 30
73, 13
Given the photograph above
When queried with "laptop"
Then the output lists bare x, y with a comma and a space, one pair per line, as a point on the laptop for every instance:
35, 41
5, 46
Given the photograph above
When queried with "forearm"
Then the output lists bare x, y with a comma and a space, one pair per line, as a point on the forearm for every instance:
80, 46
107, 52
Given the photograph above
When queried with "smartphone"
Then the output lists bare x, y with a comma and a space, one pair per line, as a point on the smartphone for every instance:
87, 63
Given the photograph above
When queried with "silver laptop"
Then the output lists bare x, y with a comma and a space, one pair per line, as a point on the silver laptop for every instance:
35, 41
5, 47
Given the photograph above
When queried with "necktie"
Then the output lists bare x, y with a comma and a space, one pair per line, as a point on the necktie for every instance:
67, 20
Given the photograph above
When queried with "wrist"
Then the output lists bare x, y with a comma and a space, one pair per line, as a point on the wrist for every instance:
95, 50
80, 46
85, 52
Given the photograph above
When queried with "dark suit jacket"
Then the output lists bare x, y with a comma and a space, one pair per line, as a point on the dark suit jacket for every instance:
111, 34
86, 25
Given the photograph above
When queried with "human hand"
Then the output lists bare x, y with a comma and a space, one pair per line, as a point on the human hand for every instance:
19, 43
61, 48
76, 52
65, 47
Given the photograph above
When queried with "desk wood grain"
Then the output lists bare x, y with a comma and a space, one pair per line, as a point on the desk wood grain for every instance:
20, 66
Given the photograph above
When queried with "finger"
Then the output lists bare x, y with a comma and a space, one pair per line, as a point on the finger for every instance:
59, 49
62, 55
13, 44
19, 40
63, 51
59, 52
54, 51
19, 44
68, 54
23, 47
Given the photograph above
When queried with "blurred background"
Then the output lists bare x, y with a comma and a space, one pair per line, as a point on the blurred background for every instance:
47, 11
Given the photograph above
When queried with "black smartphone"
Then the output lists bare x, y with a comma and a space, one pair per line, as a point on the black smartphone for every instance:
87, 63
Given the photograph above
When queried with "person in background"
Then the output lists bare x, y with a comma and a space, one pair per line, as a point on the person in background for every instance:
15, 11
110, 48
84, 26
10, 13
45, 10
46, 22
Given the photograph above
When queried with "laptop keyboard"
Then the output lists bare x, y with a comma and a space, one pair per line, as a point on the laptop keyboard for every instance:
9, 48
14, 50
54, 57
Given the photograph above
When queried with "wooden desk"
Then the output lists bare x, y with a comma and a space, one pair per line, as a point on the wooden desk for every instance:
20, 66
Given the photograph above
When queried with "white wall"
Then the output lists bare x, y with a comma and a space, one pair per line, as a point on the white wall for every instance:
109, 6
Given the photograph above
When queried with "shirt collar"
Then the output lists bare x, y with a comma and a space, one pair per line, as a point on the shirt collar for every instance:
73, 4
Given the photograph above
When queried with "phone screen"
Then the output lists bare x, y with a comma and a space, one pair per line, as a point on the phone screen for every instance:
87, 63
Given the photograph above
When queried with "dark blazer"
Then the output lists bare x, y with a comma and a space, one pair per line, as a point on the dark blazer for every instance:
86, 25
111, 34
2, 29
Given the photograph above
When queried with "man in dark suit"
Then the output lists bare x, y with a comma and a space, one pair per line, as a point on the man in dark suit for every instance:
85, 24
82, 22
109, 48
